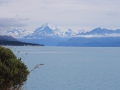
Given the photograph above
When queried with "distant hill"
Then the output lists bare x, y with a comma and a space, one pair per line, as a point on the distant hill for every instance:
18, 43
92, 42
8, 40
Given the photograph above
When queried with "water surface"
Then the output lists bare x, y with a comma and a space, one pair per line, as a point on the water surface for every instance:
71, 68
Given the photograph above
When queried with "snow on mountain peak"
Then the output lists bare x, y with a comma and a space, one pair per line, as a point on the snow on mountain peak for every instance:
17, 32
47, 25
47, 30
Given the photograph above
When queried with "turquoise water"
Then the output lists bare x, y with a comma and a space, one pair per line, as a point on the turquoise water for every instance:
71, 68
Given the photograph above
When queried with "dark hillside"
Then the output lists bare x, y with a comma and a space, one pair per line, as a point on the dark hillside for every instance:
8, 40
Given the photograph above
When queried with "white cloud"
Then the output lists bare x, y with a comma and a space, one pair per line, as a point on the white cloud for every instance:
75, 14
8, 23
99, 35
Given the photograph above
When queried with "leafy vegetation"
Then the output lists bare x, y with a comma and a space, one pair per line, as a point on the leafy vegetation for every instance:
13, 72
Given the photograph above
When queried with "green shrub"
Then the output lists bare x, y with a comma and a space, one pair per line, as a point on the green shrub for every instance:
13, 72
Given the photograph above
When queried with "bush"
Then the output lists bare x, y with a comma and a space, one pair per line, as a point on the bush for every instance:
13, 72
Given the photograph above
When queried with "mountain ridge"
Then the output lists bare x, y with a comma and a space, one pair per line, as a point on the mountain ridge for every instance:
9, 40
17, 32
101, 31
92, 42
51, 35
47, 30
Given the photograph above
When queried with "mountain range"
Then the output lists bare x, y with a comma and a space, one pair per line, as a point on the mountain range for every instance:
50, 35
17, 32
102, 32
92, 42
97, 37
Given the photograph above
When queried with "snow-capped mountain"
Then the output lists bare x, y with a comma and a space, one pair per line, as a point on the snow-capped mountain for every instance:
17, 32
48, 34
47, 30
102, 32
97, 37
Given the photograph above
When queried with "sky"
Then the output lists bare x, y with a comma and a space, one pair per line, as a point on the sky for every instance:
68, 14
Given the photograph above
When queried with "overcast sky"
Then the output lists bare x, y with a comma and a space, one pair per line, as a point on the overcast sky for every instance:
73, 14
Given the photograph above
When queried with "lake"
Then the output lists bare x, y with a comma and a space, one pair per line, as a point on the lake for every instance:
71, 68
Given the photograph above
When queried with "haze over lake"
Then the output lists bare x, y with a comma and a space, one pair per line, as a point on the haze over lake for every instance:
71, 68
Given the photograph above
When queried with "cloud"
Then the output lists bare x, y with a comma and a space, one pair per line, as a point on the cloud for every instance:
113, 14
74, 14
99, 35
8, 23
3, 1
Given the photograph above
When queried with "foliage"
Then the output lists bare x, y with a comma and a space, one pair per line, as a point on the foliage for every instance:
13, 72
